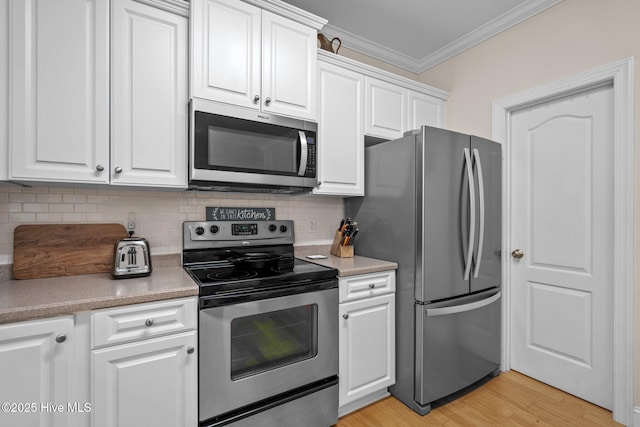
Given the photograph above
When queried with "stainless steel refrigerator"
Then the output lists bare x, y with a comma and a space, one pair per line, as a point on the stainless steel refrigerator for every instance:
433, 204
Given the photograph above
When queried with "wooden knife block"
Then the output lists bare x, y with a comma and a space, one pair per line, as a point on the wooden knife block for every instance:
338, 250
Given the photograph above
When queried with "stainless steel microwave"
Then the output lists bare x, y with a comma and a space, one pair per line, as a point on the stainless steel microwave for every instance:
238, 149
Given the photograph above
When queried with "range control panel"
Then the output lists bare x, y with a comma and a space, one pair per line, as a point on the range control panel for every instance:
236, 233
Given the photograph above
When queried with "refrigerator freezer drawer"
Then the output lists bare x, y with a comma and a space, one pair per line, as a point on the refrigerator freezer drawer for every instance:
457, 344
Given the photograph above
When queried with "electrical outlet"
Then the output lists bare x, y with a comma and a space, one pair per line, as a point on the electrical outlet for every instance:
131, 225
313, 225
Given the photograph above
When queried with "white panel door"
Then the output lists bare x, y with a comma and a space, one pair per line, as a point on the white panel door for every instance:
36, 370
424, 110
367, 347
149, 96
340, 131
385, 109
289, 67
60, 82
562, 222
226, 45
147, 383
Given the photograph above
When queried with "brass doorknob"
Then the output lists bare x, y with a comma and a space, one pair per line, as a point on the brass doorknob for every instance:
517, 253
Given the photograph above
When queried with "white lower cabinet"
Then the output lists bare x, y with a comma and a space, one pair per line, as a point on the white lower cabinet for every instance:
36, 368
151, 377
367, 339
151, 382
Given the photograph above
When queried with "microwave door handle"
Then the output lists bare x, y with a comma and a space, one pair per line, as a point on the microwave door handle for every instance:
303, 152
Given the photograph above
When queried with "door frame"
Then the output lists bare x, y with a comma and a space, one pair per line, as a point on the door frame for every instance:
620, 74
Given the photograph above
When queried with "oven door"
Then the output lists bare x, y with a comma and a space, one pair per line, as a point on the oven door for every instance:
255, 350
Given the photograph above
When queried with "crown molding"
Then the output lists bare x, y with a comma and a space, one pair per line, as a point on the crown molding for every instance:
285, 9
497, 25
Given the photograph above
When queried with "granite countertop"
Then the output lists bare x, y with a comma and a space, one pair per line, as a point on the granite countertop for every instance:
55, 296
345, 266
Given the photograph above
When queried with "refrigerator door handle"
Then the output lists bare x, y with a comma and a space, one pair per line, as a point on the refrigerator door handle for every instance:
442, 311
472, 210
476, 157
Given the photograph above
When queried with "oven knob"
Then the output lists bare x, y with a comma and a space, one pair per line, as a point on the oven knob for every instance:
199, 231
214, 229
272, 228
283, 228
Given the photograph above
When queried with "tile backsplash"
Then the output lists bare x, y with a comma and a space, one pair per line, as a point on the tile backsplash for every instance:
159, 214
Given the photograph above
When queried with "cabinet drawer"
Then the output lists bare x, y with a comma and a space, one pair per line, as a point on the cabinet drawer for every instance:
367, 285
141, 321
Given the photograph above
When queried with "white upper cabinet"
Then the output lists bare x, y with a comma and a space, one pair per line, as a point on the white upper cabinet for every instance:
340, 131
386, 111
226, 49
149, 94
59, 90
424, 110
254, 58
63, 93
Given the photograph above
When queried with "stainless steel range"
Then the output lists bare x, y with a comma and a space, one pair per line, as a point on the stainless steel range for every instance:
268, 332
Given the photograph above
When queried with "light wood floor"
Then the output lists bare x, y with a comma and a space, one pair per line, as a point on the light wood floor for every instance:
511, 399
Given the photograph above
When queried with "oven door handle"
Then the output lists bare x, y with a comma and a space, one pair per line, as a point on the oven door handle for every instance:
290, 288
304, 152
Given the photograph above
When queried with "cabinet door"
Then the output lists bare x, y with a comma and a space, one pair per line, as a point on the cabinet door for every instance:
149, 96
340, 131
424, 110
386, 105
289, 67
60, 90
147, 383
226, 44
367, 347
36, 369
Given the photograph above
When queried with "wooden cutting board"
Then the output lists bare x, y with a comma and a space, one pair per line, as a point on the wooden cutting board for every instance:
51, 250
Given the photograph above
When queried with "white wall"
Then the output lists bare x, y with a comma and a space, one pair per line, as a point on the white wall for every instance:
160, 214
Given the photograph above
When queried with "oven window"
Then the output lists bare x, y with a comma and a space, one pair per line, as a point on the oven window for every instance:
269, 340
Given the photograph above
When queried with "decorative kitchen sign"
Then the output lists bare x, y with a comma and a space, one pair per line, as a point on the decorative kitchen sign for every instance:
240, 214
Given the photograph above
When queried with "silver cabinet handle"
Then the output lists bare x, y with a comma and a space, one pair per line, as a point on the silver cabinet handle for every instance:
190, 350
61, 338
118, 169
256, 98
372, 285
267, 100
345, 316
149, 322
99, 168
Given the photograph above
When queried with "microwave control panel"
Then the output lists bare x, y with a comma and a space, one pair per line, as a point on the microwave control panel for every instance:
310, 171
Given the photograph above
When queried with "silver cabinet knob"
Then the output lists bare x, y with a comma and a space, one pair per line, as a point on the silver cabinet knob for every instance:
517, 253
149, 322
190, 350
372, 285
345, 316
256, 98
118, 169
99, 168
61, 338
267, 100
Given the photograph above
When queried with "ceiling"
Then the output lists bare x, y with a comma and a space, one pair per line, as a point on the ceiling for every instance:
418, 34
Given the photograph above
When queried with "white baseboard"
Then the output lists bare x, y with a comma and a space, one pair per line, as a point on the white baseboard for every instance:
635, 422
